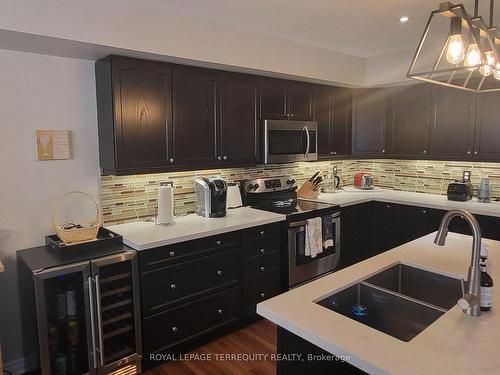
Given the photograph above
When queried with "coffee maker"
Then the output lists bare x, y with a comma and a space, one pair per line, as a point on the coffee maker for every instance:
211, 194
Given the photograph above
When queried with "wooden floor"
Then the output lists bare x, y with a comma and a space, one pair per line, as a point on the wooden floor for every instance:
256, 339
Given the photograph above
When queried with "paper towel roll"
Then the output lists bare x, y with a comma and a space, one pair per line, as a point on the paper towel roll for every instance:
165, 204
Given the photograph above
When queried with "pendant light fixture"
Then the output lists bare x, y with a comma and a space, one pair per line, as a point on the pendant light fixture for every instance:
458, 50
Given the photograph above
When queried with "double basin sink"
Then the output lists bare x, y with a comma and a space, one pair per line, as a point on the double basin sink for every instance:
400, 301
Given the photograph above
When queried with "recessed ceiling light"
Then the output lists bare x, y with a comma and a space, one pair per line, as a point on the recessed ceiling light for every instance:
404, 19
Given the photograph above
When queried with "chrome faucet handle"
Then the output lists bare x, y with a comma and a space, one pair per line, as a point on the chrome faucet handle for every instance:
467, 301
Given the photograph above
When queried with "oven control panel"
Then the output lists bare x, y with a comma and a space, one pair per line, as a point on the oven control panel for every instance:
266, 185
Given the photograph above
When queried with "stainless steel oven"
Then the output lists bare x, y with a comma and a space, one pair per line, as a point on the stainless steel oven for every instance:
289, 141
302, 268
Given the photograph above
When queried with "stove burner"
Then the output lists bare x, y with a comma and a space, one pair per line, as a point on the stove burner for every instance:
284, 203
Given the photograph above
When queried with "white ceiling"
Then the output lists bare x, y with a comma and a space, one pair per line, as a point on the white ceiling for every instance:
362, 28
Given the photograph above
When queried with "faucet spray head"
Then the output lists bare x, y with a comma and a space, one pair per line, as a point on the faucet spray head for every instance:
440, 238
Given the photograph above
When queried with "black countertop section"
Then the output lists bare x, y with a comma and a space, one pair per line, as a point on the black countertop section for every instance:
43, 257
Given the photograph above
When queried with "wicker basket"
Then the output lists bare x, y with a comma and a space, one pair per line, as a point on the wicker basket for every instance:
88, 231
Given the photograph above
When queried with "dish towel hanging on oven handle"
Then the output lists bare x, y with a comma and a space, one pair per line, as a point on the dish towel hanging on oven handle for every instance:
328, 240
314, 237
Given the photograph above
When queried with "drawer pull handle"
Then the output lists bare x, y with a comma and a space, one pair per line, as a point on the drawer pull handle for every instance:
219, 243
172, 286
220, 311
262, 251
219, 272
263, 295
172, 253
174, 329
262, 233
262, 268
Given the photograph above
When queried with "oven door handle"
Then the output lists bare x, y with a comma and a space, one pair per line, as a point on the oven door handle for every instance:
308, 138
298, 224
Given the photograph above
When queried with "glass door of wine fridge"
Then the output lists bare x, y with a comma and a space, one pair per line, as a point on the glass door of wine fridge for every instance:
65, 327
115, 279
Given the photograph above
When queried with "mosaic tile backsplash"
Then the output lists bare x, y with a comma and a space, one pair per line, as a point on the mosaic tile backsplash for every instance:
132, 198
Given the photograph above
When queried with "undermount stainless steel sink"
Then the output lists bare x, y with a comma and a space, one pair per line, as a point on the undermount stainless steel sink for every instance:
400, 301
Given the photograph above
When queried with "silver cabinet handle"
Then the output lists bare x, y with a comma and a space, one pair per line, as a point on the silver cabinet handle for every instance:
424, 211
92, 323
224, 157
306, 129
424, 152
292, 115
171, 160
99, 318
475, 152
173, 286
219, 157
220, 311
334, 152
331, 152
262, 233
174, 329
263, 295
219, 272
172, 253
262, 268
219, 243
383, 151
262, 251
468, 152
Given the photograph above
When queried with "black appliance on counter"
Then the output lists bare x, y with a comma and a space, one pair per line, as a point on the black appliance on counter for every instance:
460, 191
80, 309
211, 196
279, 195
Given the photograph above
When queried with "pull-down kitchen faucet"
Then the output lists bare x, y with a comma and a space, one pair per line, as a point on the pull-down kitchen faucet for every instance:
470, 301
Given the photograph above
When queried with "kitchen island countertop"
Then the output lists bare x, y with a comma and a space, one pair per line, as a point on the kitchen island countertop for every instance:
144, 235
453, 344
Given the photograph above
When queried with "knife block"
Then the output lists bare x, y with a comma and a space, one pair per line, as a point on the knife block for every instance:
307, 191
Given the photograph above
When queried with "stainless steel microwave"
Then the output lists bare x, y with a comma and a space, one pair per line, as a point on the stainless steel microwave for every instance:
288, 141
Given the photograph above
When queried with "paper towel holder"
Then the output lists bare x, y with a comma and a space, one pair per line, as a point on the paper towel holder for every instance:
157, 219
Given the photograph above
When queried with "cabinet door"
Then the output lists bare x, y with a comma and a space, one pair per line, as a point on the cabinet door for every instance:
409, 121
195, 103
487, 137
369, 121
356, 234
386, 227
239, 119
273, 99
300, 101
142, 105
323, 106
341, 121
452, 124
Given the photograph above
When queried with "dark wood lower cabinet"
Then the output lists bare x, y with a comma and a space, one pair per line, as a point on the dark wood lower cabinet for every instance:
194, 291
300, 357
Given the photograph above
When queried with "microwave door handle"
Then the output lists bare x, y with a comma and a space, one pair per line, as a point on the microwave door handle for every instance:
306, 129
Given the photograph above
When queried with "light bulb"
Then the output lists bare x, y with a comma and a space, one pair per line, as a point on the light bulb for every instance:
473, 56
455, 52
488, 68
496, 73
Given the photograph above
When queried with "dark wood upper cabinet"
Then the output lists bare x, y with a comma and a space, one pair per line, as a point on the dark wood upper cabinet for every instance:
134, 115
369, 122
409, 114
487, 134
300, 101
452, 123
195, 98
273, 100
238, 130
332, 112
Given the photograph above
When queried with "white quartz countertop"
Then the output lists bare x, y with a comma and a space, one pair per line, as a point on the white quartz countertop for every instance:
454, 344
353, 196
143, 235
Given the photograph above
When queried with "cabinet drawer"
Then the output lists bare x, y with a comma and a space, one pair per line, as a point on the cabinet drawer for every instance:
162, 256
259, 249
264, 266
262, 231
258, 291
185, 322
175, 284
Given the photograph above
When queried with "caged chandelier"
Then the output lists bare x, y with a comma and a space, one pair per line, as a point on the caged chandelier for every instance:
458, 50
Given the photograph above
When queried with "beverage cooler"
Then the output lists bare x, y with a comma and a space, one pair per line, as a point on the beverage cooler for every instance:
87, 314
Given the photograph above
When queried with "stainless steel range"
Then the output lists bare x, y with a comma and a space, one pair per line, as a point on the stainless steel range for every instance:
279, 195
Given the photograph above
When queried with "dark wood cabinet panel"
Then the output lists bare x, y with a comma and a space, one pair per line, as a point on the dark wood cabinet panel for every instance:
452, 124
273, 100
342, 121
134, 112
238, 133
487, 134
369, 122
195, 97
356, 234
409, 121
323, 108
300, 101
